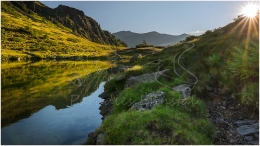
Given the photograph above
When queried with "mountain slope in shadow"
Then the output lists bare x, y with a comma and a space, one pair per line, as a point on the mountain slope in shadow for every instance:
152, 38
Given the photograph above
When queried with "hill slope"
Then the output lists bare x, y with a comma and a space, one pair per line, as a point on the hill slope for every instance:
222, 67
152, 38
25, 34
69, 17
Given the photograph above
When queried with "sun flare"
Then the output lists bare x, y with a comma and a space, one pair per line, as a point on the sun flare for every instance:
250, 10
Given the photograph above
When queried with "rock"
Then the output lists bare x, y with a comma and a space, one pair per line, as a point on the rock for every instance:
106, 95
208, 88
248, 129
149, 101
184, 89
224, 103
191, 80
100, 137
256, 135
244, 122
132, 81
92, 139
249, 138
121, 77
254, 142
212, 95
117, 69
106, 106
224, 91
105, 117
135, 57
232, 141
91, 135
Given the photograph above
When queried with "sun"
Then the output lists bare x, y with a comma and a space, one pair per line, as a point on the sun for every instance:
250, 10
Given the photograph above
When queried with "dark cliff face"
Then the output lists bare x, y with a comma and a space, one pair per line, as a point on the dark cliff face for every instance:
72, 18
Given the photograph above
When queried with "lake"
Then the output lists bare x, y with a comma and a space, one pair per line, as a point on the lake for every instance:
51, 102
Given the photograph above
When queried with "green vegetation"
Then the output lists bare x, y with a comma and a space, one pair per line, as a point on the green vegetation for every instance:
143, 45
163, 125
170, 123
76, 23
27, 35
226, 57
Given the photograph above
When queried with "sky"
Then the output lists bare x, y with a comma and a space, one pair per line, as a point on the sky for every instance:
169, 17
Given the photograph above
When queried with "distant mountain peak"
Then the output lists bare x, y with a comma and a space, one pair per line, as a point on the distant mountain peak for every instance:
152, 38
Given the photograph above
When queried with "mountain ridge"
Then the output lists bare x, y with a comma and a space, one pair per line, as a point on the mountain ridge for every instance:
69, 17
152, 38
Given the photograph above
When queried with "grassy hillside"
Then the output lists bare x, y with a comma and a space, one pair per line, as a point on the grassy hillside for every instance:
25, 37
69, 17
225, 58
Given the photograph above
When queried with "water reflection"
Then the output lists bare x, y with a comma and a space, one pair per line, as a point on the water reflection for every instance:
50, 126
27, 88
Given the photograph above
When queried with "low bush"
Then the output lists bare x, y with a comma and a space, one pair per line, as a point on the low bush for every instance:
73, 40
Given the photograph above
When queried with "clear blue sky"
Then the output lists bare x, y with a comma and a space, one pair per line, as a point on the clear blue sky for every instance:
170, 17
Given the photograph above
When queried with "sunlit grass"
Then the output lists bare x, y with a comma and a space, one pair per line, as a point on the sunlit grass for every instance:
44, 39
135, 67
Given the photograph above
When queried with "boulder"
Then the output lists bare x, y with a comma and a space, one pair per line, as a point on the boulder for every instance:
100, 137
208, 88
184, 89
149, 101
224, 91
244, 122
135, 57
107, 94
133, 80
106, 106
121, 77
248, 129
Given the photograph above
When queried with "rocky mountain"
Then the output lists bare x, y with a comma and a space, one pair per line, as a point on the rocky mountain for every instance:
152, 38
71, 18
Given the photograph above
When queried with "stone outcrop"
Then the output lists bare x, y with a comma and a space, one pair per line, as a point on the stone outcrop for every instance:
135, 57
133, 80
100, 137
149, 101
248, 129
184, 89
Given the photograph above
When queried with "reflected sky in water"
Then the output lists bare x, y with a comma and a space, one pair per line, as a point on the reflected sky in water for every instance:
50, 126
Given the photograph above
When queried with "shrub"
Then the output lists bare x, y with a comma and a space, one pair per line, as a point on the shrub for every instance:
73, 40
16, 39
191, 37
250, 94
143, 45
245, 62
213, 60
45, 36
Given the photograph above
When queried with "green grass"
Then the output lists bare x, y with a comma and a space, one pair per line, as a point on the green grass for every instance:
162, 125
176, 121
228, 59
45, 39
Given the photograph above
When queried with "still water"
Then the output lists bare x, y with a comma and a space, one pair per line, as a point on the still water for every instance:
51, 102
